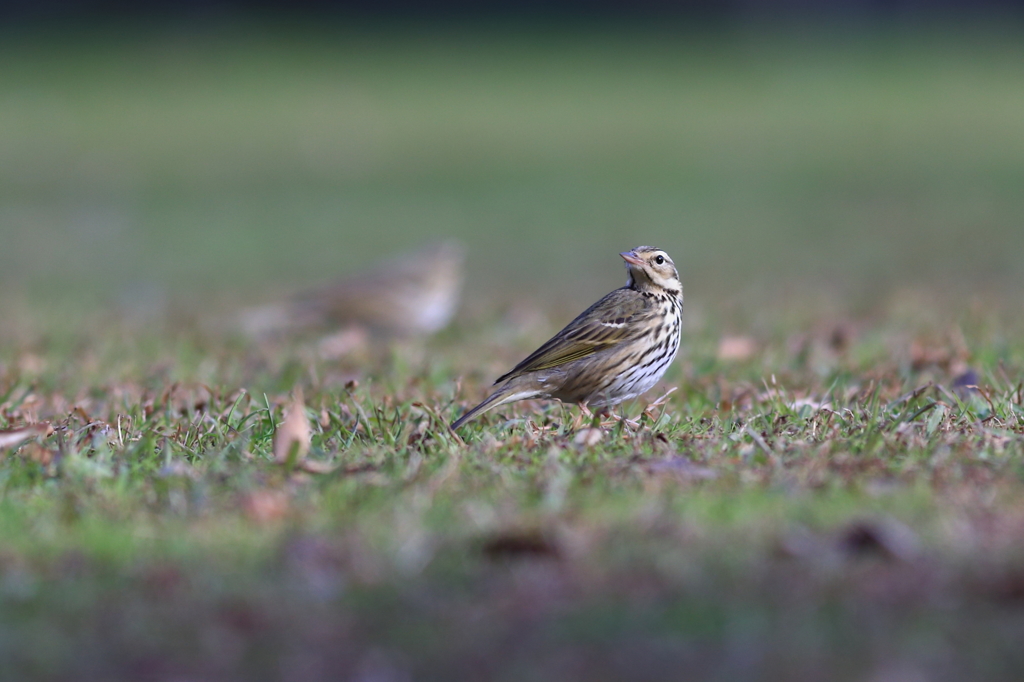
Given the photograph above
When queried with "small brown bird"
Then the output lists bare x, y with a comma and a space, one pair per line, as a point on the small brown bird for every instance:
415, 294
615, 350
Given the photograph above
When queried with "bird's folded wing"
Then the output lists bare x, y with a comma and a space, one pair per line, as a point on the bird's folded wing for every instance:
616, 318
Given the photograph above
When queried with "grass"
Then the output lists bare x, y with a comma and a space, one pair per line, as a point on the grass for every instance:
742, 531
834, 502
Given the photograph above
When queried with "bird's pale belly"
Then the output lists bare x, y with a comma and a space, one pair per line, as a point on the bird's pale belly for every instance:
573, 383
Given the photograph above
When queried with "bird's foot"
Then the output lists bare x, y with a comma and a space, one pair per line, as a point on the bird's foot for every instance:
614, 419
584, 416
602, 418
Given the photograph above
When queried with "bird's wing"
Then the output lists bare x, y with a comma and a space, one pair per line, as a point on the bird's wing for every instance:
614, 319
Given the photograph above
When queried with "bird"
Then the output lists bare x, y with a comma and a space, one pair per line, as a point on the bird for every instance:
412, 295
613, 351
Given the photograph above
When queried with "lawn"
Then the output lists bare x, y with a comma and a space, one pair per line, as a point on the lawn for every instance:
834, 490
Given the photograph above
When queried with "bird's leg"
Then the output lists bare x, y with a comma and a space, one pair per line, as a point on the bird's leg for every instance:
631, 423
577, 423
599, 420
613, 418
603, 417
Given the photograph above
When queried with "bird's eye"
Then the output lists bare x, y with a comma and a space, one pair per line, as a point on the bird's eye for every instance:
659, 259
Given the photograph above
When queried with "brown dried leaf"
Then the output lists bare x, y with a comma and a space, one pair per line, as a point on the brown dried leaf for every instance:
35, 452
15, 437
291, 442
588, 437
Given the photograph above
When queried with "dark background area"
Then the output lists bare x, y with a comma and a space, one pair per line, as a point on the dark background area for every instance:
717, 10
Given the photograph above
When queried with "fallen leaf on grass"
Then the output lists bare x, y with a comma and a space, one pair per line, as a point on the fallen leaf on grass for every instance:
14, 437
38, 453
291, 441
588, 437
736, 348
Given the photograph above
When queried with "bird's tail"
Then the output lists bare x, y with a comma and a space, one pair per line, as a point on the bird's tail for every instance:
506, 394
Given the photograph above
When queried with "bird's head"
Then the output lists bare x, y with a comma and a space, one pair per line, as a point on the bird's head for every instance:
651, 268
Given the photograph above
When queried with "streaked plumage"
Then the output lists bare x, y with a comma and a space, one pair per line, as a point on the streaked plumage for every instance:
411, 295
615, 350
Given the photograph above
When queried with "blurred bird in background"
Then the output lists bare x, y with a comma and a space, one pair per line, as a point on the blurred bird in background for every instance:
412, 295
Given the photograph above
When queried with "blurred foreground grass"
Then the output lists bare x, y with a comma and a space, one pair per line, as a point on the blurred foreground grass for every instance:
823, 497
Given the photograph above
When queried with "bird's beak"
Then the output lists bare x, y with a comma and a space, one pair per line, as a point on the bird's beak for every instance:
631, 258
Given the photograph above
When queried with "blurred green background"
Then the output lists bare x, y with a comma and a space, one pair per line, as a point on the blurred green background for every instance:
148, 165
